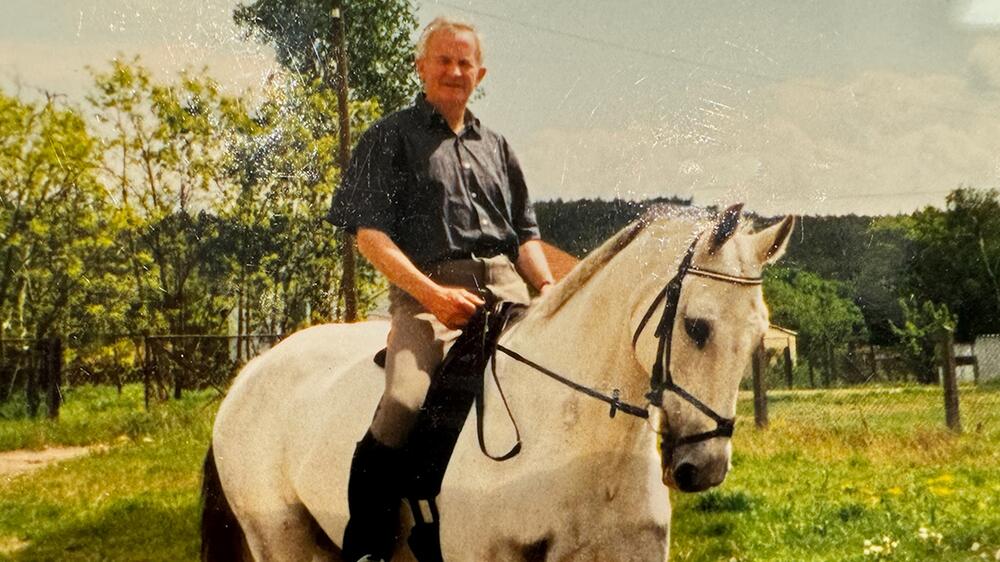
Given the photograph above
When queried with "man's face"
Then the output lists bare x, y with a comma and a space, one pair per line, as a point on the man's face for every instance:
449, 69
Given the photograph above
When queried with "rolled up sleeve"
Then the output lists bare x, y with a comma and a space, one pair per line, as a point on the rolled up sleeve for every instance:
366, 197
522, 211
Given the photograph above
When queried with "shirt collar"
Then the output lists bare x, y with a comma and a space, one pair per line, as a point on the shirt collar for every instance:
432, 117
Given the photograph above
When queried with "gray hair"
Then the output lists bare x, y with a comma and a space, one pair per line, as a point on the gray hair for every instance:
442, 23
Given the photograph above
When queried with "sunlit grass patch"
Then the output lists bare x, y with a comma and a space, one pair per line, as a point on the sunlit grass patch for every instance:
99, 414
831, 473
136, 499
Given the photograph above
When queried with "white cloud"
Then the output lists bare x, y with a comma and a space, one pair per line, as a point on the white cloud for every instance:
984, 63
878, 142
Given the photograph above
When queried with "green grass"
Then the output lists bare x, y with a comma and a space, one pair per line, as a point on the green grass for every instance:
135, 500
836, 468
100, 415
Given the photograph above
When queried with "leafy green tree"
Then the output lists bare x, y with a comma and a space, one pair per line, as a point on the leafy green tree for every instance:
164, 149
282, 253
54, 216
820, 310
956, 259
919, 335
378, 37
881, 276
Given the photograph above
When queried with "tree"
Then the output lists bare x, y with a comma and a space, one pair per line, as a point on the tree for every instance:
164, 146
284, 167
378, 43
957, 259
54, 216
819, 309
919, 334
582, 225
881, 275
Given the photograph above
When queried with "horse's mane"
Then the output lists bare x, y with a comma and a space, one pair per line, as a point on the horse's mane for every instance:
584, 271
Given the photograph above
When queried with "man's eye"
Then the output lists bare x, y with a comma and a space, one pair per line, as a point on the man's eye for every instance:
698, 330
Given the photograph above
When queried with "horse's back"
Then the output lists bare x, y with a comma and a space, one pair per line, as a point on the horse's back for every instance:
299, 406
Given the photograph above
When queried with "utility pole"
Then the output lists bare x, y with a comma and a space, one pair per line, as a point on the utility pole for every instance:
348, 280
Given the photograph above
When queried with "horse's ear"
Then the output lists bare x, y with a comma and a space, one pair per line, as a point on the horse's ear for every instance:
770, 243
726, 226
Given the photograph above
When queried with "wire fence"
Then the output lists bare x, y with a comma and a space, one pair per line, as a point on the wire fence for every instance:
874, 383
871, 383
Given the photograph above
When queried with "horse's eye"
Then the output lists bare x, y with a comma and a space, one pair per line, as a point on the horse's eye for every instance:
698, 330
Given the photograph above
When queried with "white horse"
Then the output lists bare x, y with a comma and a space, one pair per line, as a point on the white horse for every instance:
584, 486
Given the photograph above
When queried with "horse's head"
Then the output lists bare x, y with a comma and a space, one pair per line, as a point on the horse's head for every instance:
698, 341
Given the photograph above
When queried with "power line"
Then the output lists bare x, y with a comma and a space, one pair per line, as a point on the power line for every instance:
818, 197
698, 64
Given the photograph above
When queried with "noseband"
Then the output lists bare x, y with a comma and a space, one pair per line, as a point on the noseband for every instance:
661, 380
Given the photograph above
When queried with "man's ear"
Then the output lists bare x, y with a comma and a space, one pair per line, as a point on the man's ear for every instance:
482, 74
419, 66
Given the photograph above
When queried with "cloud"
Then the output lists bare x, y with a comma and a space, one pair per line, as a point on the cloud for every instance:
877, 142
984, 63
62, 67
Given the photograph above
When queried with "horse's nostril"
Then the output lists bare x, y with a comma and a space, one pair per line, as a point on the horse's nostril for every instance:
686, 476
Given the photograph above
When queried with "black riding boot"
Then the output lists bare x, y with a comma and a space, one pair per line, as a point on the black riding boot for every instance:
373, 500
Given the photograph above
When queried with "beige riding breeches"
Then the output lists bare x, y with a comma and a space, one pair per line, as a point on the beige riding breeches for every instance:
418, 341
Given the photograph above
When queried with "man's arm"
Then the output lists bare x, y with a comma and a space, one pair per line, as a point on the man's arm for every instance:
453, 306
533, 265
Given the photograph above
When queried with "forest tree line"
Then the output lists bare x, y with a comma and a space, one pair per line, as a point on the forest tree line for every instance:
848, 282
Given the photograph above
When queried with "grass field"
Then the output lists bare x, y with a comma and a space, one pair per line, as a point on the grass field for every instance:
834, 470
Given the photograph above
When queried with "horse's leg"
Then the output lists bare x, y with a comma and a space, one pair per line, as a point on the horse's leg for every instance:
286, 533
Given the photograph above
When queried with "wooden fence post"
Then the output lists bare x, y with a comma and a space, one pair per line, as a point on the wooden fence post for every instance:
54, 376
788, 366
36, 375
760, 386
950, 382
178, 370
147, 370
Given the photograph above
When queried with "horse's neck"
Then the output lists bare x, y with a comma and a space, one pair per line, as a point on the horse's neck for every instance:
589, 342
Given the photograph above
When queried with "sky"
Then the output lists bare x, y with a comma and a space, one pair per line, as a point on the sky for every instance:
804, 106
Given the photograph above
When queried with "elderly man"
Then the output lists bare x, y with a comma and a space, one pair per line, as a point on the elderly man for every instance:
440, 207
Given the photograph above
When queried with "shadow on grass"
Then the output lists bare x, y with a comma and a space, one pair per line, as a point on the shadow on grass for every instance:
124, 530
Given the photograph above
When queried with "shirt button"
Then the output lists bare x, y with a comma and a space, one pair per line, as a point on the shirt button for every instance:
484, 222
475, 196
466, 165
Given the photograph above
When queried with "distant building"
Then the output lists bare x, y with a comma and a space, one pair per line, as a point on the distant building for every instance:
987, 351
778, 338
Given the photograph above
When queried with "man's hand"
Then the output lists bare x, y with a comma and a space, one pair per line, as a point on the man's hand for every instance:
453, 306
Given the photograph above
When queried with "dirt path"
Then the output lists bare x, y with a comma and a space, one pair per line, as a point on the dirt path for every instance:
17, 462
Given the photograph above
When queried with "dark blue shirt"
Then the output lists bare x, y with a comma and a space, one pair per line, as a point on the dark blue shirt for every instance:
436, 194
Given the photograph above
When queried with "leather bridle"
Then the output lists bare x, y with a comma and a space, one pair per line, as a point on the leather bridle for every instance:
661, 380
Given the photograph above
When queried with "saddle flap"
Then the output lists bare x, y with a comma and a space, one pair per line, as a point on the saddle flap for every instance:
454, 387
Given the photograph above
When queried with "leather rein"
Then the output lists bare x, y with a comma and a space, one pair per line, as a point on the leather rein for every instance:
661, 380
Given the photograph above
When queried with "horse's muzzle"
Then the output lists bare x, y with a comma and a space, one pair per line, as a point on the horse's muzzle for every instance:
694, 472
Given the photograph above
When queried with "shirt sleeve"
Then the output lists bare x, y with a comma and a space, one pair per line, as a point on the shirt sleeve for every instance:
521, 210
366, 197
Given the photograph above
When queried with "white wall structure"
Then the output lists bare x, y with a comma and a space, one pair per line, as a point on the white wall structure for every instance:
987, 351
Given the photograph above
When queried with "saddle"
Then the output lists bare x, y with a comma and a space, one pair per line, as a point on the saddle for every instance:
456, 386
